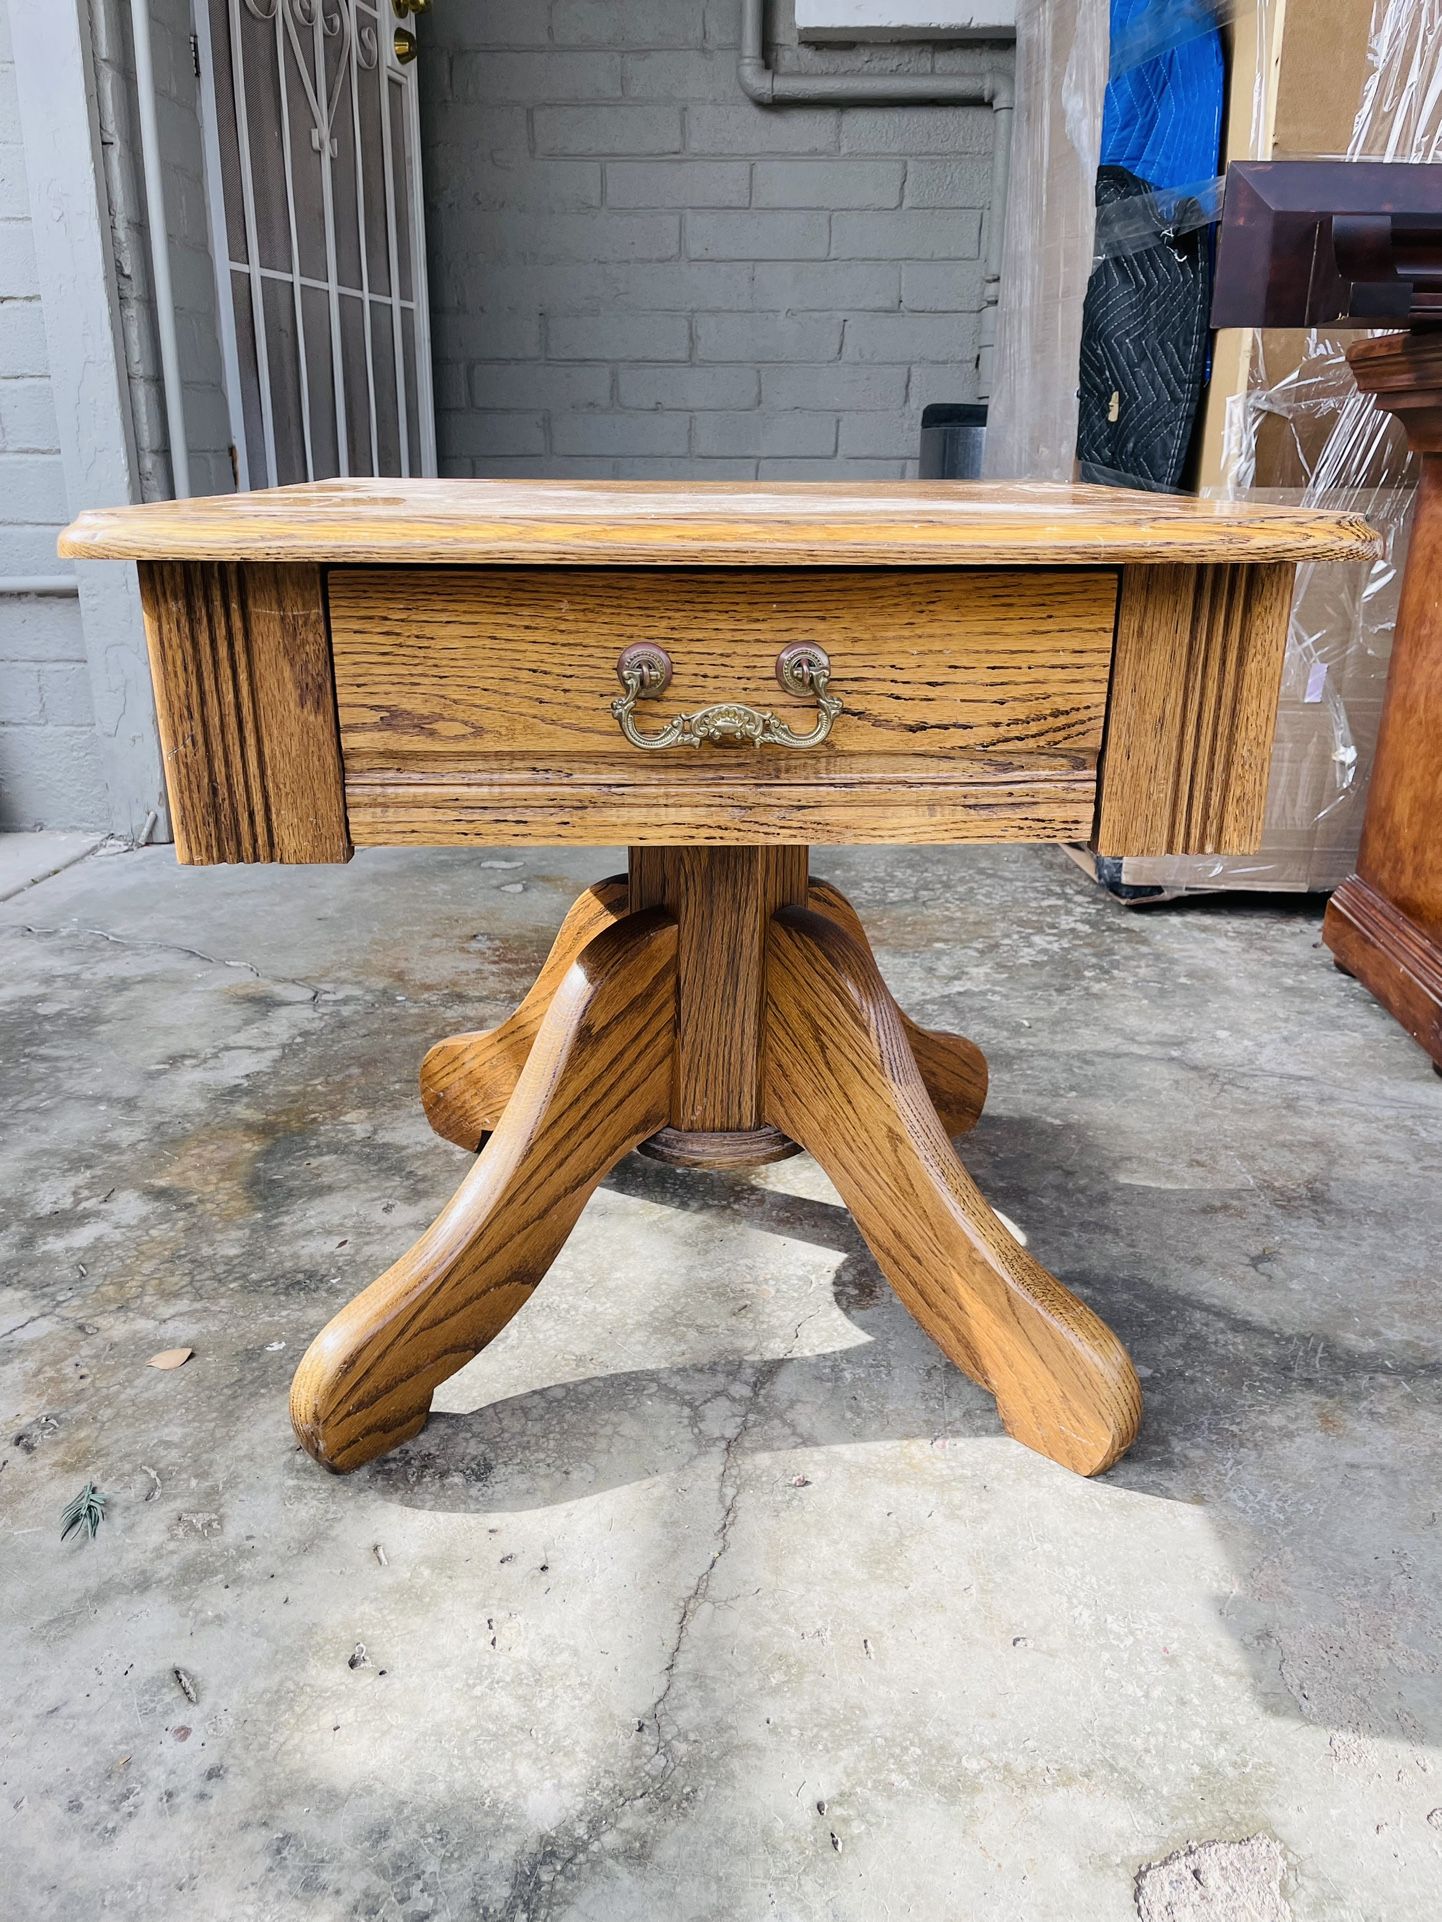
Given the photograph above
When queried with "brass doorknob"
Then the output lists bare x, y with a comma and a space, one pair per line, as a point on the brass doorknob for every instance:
403, 7
405, 46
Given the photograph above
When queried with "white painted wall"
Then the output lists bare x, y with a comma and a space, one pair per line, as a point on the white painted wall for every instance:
75, 280
82, 423
49, 765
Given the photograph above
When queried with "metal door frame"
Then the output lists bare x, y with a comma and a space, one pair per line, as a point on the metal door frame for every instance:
368, 28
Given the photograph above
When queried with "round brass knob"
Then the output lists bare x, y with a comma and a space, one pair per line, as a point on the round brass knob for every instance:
650, 664
405, 46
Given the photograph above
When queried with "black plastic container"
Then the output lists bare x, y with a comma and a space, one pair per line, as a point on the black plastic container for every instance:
952, 433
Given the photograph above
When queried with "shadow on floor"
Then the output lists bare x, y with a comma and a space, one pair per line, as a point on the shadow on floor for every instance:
1241, 1419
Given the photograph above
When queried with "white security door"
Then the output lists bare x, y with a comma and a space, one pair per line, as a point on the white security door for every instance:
313, 154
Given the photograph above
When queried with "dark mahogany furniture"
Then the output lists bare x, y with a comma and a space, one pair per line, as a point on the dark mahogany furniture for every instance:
720, 677
1384, 924
1307, 242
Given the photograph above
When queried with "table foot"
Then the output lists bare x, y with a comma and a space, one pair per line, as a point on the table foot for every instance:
700, 1011
596, 1081
841, 1079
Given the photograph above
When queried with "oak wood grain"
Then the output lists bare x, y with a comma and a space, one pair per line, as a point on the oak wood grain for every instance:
595, 1083
639, 523
722, 900
245, 704
1192, 709
720, 798
719, 1149
467, 1079
841, 1080
523, 661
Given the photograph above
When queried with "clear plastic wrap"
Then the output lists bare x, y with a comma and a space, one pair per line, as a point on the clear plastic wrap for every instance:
1061, 73
1283, 419
1299, 431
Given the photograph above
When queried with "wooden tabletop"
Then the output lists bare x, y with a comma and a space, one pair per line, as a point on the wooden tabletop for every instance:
732, 524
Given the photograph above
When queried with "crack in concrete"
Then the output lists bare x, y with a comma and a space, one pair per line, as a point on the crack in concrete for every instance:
46, 1314
700, 1588
61, 867
176, 948
556, 1863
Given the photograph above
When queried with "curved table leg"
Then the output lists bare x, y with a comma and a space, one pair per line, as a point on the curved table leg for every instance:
597, 1081
840, 1079
953, 1068
466, 1080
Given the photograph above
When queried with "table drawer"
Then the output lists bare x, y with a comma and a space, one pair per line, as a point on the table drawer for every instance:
450, 667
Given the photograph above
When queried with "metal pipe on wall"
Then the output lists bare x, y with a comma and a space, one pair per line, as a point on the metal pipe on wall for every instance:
1002, 100
991, 87
771, 89
159, 233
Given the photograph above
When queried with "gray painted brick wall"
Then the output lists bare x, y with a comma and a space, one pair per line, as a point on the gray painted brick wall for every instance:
49, 773
635, 272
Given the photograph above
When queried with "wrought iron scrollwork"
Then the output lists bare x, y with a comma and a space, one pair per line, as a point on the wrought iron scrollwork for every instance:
338, 20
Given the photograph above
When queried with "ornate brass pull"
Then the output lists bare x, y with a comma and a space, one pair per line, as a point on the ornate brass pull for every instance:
644, 671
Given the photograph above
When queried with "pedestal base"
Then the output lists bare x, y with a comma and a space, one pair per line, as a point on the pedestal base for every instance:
720, 1147
713, 1009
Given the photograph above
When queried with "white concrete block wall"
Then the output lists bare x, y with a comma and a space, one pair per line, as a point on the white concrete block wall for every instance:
50, 771
637, 272
49, 768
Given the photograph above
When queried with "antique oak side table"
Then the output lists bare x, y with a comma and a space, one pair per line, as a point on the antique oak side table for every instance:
718, 676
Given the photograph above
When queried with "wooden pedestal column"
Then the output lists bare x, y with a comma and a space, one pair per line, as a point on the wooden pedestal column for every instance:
1384, 924
723, 900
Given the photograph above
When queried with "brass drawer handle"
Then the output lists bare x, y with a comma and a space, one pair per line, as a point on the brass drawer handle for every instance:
644, 671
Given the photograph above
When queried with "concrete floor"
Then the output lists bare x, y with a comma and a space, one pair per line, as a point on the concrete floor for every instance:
714, 1593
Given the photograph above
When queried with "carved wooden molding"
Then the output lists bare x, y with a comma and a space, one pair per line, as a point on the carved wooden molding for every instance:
1195, 677
245, 698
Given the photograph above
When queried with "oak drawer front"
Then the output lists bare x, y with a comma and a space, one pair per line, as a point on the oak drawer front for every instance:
442, 667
